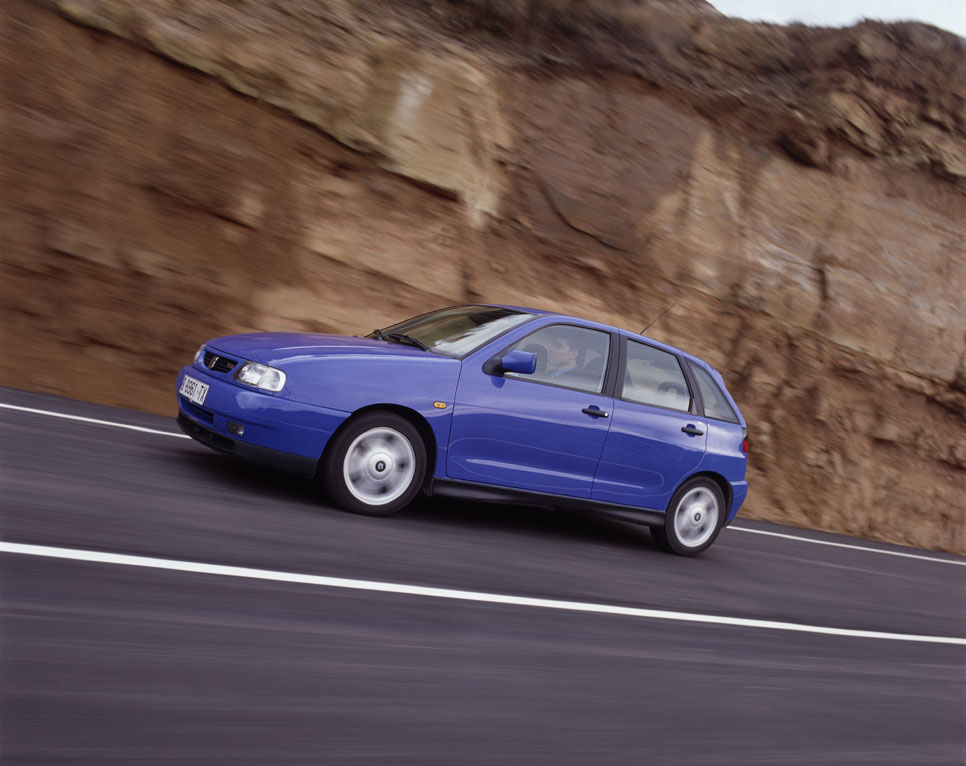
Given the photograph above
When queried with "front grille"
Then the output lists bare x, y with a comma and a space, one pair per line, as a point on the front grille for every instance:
195, 410
219, 363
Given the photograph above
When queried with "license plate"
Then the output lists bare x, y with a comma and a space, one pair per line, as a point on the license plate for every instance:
194, 390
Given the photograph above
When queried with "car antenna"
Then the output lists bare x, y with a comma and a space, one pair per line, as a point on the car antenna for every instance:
659, 316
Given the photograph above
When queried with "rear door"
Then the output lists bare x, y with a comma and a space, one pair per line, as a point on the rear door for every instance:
655, 439
536, 432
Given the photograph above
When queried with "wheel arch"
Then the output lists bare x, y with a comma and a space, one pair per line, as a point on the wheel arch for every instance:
417, 420
718, 479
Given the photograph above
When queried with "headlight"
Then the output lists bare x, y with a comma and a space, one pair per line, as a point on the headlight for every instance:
260, 376
198, 353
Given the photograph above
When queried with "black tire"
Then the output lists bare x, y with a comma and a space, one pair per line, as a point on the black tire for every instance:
694, 518
375, 456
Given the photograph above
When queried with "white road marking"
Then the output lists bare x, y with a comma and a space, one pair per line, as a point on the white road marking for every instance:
93, 420
853, 547
458, 595
741, 529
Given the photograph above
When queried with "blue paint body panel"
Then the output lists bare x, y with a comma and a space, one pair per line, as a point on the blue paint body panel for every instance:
270, 421
724, 457
501, 431
523, 435
351, 381
647, 456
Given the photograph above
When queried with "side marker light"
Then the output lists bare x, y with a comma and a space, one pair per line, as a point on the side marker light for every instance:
439, 405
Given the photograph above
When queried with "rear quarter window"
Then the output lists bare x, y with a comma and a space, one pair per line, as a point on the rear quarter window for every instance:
715, 403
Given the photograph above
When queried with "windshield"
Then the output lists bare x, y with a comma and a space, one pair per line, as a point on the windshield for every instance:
459, 330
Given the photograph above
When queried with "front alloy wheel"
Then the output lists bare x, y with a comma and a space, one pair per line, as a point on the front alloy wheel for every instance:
376, 465
694, 518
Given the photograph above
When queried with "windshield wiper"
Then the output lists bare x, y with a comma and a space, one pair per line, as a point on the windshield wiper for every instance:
377, 334
398, 336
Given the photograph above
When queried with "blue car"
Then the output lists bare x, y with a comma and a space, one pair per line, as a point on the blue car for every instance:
483, 402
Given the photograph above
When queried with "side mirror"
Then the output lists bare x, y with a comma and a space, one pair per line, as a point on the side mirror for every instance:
524, 362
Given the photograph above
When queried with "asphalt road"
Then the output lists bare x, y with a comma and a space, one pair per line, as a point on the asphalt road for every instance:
110, 664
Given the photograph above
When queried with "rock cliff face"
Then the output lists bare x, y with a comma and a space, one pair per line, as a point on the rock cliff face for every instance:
798, 194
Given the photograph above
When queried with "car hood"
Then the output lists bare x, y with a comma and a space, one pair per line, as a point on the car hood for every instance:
276, 348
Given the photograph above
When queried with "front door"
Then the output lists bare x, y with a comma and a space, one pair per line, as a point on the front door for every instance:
535, 432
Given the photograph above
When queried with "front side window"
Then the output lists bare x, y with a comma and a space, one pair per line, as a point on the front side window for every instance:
459, 330
715, 404
655, 377
569, 356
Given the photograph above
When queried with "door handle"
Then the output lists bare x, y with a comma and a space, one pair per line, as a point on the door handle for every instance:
690, 430
596, 412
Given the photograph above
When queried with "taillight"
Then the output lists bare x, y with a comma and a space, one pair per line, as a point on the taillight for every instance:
745, 446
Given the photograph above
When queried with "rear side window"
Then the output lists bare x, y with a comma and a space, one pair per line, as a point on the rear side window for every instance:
655, 377
715, 404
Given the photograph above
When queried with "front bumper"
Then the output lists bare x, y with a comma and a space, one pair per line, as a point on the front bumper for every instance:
277, 432
285, 461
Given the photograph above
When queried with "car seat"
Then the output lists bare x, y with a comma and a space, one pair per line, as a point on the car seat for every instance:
671, 388
592, 372
674, 394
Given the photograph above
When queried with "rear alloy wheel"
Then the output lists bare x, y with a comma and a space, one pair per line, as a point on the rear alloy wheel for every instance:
376, 464
694, 518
